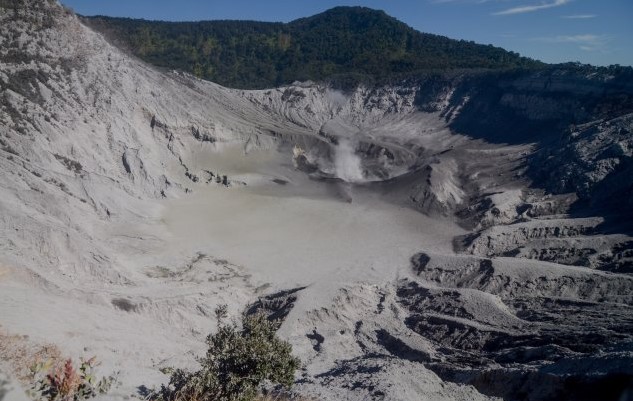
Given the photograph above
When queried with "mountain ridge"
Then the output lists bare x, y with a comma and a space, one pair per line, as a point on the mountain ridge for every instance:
356, 44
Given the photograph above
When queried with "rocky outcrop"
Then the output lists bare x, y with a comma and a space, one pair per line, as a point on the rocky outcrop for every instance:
594, 160
502, 239
275, 306
488, 328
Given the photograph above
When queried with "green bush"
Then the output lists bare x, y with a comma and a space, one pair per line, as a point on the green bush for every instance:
237, 363
64, 382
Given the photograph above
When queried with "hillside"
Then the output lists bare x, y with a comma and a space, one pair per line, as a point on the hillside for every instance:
344, 43
454, 237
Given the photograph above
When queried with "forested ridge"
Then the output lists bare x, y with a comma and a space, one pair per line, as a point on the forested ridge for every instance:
353, 43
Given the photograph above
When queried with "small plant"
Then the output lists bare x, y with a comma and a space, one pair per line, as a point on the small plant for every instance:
237, 363
64, 382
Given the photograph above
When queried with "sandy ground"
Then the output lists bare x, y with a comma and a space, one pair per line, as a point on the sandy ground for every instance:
301, 233
293, 240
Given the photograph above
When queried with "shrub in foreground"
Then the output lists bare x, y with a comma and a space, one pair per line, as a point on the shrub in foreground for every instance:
237, 363
64, 382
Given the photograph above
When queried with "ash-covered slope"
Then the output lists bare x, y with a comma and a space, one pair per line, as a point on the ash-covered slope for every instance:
87, 126
578, 120
132, 202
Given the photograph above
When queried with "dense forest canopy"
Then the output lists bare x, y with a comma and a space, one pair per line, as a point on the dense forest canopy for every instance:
347, 42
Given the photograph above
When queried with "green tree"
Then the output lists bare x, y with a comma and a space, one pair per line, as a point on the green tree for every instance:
237, 363
343, 40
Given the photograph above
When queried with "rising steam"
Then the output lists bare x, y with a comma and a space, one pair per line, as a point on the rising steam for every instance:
347, 163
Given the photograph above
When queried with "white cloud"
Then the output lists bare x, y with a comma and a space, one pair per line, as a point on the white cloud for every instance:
587, 42
579, 16
465, 1
532, 8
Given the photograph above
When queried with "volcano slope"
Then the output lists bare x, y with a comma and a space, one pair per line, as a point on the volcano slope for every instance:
452, 237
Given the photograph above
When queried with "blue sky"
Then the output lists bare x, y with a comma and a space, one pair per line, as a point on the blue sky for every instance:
597, 32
